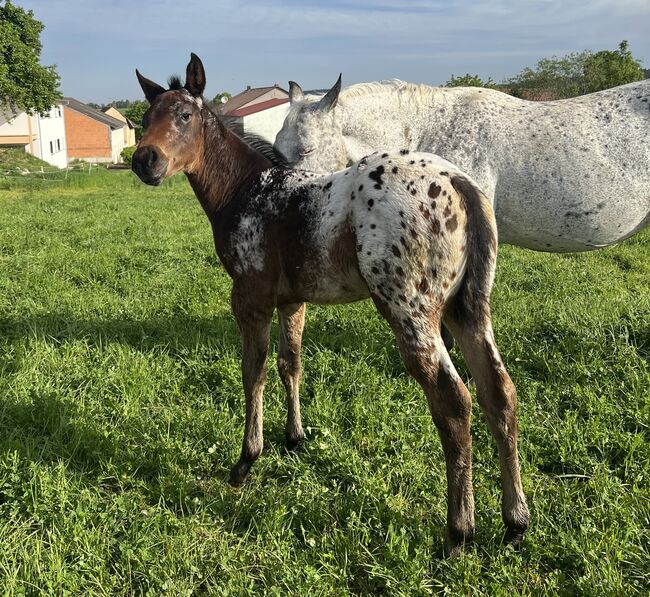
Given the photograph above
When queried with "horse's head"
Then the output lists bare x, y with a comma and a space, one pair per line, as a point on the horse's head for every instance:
173, 124
311, 136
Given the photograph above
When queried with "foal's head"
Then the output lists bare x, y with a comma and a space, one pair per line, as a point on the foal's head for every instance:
173, 126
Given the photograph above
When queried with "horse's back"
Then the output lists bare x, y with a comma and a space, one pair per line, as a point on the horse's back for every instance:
576, 176
566, 175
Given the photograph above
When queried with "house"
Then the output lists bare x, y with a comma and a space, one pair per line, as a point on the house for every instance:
42, 136
259, 110
129, 129
91, 135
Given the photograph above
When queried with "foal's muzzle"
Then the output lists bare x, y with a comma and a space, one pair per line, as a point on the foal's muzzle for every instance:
150, 164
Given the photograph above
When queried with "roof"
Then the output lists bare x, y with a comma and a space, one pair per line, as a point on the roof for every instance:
128, 121
259, 107
86, 110
245, 97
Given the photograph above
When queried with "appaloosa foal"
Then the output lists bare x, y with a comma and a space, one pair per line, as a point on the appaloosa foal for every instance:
408, 230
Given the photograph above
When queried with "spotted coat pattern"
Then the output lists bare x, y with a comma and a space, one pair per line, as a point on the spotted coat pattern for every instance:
400, 214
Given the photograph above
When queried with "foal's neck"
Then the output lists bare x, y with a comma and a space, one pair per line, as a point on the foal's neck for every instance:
226, 166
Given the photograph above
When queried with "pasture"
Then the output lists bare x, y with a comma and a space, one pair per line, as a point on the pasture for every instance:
122, 411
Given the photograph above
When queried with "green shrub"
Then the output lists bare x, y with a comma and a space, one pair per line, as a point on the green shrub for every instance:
127, 154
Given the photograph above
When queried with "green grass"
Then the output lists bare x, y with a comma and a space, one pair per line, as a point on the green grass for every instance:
121, 411
12, 158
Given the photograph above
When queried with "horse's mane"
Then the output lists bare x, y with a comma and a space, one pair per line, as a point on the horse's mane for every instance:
257, 142
175, 83
390, 86
261, 145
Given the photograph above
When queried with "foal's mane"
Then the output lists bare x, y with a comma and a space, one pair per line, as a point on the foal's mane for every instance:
261, 145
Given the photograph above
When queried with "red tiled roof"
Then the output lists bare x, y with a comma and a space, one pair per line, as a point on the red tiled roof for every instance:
245, 97
259, 107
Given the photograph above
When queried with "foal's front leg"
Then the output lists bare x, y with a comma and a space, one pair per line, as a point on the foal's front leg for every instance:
292, 322
254, 320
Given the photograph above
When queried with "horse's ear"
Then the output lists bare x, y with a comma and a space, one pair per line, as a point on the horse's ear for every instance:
295, 92
329, 101
195, 76
151, 90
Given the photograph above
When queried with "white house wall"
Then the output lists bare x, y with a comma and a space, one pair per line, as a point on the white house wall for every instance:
50, 145
117, 145
14, 125
266, 123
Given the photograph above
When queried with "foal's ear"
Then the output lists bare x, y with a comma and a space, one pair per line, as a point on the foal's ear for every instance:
295, 92
329, 101
151, 90
195, 76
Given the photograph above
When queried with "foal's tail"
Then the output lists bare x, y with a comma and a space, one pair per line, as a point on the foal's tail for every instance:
476, 287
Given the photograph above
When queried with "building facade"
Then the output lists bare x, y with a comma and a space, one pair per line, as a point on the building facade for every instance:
92, 136
42, 136
129, 129
259, 110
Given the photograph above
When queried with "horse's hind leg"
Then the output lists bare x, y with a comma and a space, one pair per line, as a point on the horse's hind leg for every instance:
292, 321
497, 396
447, 338
450, 404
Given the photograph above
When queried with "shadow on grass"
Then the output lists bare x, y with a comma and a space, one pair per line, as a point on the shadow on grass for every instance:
174, 332
45, 426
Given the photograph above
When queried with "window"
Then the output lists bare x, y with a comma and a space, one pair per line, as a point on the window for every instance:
51, 147
58, 144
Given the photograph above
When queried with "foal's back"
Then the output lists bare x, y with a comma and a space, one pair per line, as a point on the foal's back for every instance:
392, 226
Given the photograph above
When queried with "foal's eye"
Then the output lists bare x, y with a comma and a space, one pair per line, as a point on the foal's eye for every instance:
185, 116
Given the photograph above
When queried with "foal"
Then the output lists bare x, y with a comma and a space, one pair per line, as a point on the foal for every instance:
408, 230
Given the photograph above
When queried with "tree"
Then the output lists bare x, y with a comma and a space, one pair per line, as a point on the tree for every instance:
25, 84
607, 68
578, 73
135, 112
219, 98
468, 80
562, 77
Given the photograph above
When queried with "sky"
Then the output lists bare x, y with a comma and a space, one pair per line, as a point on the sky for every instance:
97, 44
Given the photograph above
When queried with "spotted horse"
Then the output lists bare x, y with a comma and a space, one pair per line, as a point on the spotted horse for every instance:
564, 176
411, 232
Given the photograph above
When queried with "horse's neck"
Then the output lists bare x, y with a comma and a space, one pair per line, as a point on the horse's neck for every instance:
226, 167
408, 117
363, 132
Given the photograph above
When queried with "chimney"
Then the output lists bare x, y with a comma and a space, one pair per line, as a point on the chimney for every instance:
248, 87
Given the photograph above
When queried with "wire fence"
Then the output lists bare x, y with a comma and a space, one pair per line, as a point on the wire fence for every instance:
61, 175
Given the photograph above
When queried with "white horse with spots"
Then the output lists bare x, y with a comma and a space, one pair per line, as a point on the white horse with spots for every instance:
567, 175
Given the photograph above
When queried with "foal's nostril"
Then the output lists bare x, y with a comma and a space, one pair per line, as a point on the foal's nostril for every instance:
152, 158
149, 163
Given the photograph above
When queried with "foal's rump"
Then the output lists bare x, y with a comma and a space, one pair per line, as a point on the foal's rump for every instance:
424, 230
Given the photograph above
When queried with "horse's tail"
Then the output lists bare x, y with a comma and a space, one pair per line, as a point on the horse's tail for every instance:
473, 295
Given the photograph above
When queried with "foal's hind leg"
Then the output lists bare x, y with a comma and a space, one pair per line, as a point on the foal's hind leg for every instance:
292, 321
427, 360
497, 396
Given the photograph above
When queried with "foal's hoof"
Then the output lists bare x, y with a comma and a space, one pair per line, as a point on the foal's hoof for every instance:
456, 542
239, 473
515, 536
294, 445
